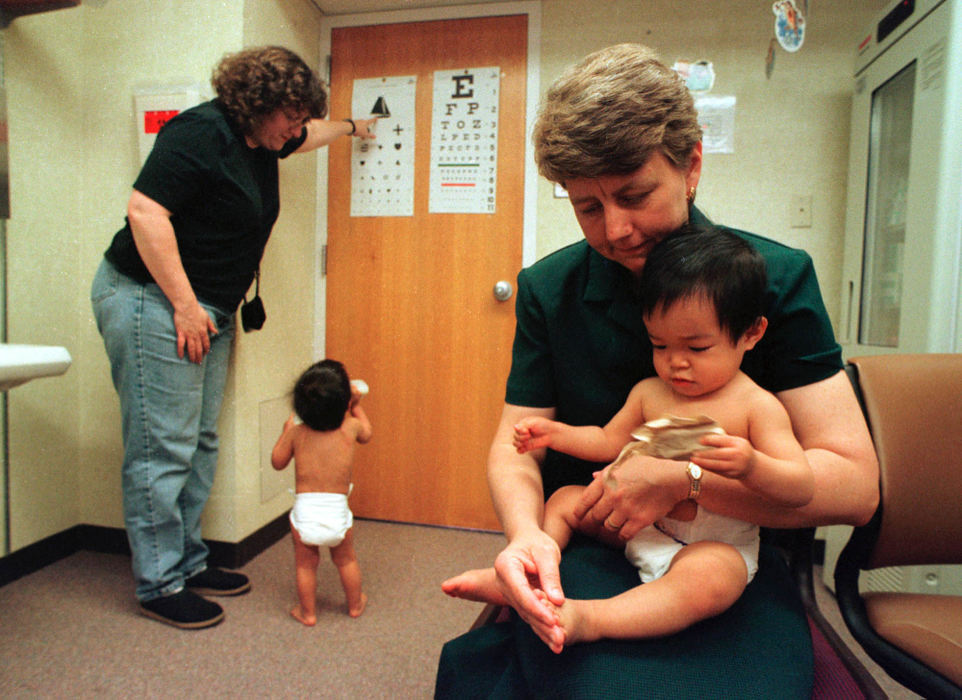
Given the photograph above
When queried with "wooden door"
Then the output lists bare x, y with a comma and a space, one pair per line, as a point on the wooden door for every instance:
410, 303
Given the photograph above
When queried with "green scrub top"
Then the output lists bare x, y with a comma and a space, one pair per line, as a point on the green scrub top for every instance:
580, 342
580, 346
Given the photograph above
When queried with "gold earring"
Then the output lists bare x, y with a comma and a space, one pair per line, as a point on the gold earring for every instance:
691, 195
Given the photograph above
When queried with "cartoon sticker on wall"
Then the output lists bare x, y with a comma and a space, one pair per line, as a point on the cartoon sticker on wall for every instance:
790, 23
699, 76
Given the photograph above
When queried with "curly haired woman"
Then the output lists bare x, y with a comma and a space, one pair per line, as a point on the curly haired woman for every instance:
164, 296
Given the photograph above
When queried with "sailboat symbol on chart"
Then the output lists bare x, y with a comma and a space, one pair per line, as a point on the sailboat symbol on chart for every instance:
380, 108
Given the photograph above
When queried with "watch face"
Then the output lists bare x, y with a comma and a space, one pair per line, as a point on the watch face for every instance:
694, 470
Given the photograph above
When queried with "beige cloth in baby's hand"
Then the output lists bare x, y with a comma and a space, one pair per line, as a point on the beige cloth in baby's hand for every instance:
671, 437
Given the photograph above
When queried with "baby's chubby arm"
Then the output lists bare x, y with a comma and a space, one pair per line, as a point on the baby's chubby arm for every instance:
364, 431
588, 442
582, 441
535, 432
284, 447
770, 462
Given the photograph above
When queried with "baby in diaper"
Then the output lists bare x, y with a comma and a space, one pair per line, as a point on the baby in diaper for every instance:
702, 302
320, 436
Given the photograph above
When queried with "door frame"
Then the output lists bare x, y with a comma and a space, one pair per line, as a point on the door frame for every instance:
529, 236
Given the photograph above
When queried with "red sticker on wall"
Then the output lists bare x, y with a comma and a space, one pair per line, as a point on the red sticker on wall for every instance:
154, 119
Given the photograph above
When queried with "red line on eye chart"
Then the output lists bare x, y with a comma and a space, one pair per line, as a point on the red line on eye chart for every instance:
448, 183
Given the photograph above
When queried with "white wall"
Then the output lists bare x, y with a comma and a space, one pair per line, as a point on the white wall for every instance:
267, 362
791, 131
70, 78
44, 80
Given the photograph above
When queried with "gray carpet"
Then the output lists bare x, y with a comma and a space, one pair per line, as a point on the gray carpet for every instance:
72, 630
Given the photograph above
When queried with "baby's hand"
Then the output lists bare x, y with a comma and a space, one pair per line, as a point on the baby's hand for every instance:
532, 433
292, 420
729, 456
359, 389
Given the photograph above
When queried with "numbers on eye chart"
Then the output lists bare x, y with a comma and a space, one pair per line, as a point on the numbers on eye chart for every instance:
464, 141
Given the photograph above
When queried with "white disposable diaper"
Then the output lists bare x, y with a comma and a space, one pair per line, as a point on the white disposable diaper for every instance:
321, 519
653, 549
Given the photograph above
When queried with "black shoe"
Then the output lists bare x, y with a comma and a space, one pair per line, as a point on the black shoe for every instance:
214, 581
183, 609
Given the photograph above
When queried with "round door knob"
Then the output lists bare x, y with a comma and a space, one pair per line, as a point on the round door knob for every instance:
503, 290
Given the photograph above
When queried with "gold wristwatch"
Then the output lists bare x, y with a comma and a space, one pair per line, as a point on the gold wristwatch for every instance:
694, 478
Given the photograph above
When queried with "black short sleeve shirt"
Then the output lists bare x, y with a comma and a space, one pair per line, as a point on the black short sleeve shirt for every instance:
223, 196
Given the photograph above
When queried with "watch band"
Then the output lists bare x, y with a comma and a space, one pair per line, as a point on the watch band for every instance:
694, 480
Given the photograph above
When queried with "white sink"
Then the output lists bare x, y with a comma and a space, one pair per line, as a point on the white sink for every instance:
21, 363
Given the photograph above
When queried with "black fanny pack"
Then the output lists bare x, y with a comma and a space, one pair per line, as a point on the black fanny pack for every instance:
252, 312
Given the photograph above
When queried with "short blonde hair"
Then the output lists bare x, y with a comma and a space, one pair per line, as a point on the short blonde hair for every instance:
607, 114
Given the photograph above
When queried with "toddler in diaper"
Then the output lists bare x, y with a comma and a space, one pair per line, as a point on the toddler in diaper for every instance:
321, 519
320, 436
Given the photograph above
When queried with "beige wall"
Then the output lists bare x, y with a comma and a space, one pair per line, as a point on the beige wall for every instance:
70, 75
267, 363
44, 81
70, 78
791, 131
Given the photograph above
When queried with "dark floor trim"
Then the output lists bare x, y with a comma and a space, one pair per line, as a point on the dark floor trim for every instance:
111, 540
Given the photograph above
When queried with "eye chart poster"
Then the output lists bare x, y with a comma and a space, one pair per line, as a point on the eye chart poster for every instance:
382, 169
464, 141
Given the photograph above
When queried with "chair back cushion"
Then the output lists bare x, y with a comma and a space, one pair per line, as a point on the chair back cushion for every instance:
914, 409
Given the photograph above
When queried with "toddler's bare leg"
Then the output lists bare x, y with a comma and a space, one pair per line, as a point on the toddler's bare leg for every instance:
306, 558
704, 580
482, 584
349, 570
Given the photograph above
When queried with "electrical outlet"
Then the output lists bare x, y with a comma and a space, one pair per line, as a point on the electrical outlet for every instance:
801, 211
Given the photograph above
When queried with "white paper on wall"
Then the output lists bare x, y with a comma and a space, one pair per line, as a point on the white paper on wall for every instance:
716, 115
382, 169
464, 141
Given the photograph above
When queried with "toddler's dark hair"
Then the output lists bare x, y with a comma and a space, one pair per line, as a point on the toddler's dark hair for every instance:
711, 262
322, 395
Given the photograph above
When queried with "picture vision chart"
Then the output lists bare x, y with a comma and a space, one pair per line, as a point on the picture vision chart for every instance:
382, 169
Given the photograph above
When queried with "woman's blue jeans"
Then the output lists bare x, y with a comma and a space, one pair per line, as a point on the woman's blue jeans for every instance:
169, 408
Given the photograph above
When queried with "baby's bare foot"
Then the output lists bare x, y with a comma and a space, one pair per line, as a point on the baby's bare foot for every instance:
575, 619
573, 624
551, 634
302, 617
478, 584
357, 610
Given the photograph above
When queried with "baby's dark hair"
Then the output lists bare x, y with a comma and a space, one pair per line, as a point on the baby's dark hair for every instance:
322, 395
711, 262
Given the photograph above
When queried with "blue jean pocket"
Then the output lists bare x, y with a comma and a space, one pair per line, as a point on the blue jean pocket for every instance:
105, 282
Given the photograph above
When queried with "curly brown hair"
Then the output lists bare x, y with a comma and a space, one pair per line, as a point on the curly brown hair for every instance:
256, 82
607, 114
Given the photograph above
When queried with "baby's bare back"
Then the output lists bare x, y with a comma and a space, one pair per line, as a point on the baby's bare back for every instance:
323, 460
